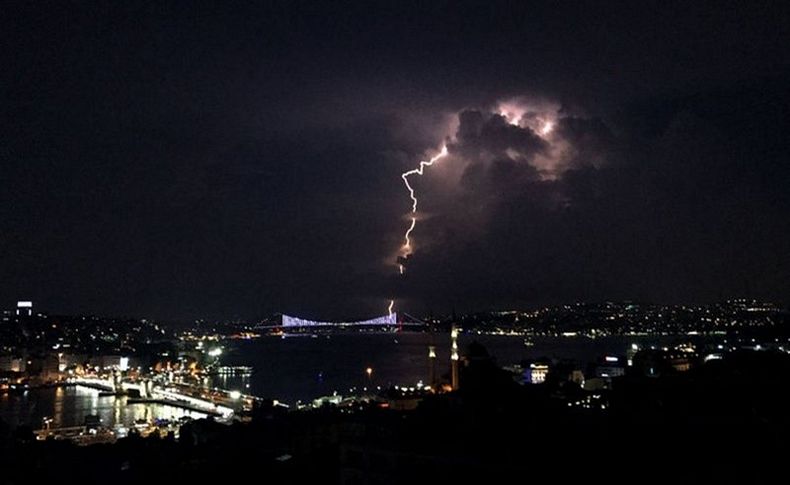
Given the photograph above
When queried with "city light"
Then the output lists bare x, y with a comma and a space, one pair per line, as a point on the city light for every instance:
454, 344
293, 322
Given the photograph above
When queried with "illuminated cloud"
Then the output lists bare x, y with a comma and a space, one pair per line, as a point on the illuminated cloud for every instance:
534, 133
493, 156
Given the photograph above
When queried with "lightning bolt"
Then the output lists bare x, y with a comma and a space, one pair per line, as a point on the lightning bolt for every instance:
406, 248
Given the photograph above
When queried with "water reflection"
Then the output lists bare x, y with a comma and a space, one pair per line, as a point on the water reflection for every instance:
57, 414
68, 406
230, 382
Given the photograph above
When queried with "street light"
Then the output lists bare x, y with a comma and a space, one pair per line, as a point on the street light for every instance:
369, 372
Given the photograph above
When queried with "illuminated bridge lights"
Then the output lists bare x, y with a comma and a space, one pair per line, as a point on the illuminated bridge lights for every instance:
294, 322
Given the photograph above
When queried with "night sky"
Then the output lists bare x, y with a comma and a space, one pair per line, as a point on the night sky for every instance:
229, 160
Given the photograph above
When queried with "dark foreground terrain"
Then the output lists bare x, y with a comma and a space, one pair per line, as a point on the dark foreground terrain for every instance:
723, 421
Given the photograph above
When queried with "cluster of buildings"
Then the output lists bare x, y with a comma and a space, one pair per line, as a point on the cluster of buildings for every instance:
595, 320
138, 360
38, 349
582, 385
42, 348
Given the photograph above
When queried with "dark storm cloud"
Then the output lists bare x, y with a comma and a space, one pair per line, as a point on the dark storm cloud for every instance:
492, 136
500, 159
495, 155
212, 159
590, 141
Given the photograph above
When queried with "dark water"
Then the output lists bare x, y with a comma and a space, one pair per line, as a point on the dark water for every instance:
302, 368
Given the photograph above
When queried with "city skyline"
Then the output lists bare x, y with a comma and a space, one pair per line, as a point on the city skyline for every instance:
456, 241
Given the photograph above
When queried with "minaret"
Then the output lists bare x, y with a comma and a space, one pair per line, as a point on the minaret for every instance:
454, 356
432, 366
